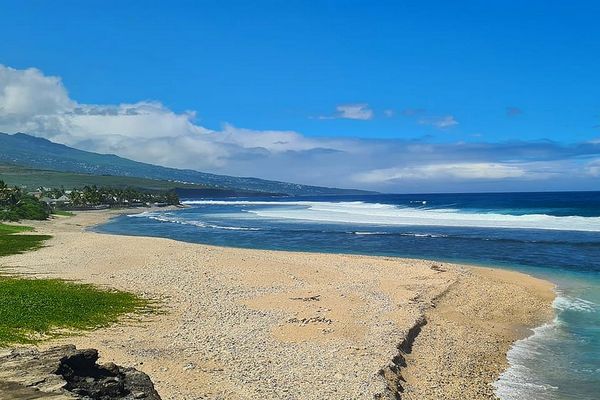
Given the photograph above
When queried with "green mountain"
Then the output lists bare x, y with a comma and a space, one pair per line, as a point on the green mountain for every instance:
41, 154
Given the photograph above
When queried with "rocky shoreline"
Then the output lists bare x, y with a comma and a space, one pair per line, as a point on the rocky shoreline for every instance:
63, 372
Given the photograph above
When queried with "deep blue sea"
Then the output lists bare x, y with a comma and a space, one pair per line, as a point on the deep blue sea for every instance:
551, 235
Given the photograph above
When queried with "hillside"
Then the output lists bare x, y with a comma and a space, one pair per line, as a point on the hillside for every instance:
31, 179
41, 154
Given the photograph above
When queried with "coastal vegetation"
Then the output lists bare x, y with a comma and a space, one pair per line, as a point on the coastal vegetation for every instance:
10, 229
15, 204
63, 213
10, 243
35, 309
90, 196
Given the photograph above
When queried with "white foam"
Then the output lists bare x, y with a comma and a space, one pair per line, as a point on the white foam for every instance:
244, 203
427, 235
574, 304
142, 214
518, 381
164, 218
234, 228
386, 214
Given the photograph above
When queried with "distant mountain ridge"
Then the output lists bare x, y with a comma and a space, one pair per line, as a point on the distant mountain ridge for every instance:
35, 152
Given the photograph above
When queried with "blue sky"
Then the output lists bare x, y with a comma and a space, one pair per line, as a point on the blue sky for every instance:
434, 72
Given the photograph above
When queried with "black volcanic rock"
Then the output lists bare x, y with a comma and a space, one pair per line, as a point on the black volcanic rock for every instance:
63, 372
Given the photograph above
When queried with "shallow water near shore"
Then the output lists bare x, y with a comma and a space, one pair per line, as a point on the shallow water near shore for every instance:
551, 235
560, 360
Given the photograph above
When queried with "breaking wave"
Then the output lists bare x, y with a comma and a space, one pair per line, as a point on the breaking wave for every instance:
358, 212
522, 379
519, 381
165, 218
574, 304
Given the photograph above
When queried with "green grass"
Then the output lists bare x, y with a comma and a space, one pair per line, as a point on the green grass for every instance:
32, 310
36, 309
10, 229
33, 178
16, 244
63, 213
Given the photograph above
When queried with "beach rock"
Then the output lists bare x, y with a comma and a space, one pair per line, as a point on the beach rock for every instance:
64, 372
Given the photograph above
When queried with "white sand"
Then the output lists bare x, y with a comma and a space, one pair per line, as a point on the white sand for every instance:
255, 324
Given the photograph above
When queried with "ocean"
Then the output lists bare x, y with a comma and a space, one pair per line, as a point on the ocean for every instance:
554, 236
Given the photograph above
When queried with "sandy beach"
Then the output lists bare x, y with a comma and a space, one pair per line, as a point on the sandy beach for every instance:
256, 324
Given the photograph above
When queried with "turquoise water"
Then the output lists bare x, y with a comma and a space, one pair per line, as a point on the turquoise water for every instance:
555, 236
561, 359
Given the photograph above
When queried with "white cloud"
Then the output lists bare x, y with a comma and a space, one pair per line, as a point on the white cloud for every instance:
442, 171
351, 111
147, 131
144, 120
593, 168
29, 92
354, 111
445, 121
275, 141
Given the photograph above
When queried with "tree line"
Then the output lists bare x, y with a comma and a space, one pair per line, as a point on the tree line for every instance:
16, 204
114, 197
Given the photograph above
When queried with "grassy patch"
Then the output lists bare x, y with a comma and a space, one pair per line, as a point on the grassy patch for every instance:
35, 309
10, 229
63, 213
16, 244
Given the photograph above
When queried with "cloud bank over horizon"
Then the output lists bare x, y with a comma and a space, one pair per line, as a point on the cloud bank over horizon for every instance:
38, 104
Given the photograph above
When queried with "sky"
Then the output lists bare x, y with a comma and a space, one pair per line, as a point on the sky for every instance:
402, 96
